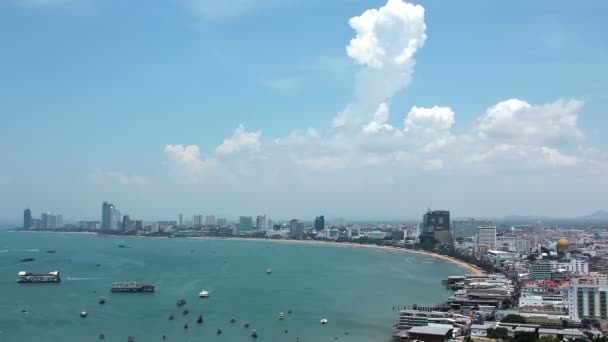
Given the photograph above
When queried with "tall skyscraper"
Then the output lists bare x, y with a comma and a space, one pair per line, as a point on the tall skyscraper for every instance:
320, 223
197, 220
126, 223
436, 227
115, 219
245, 223
27, 218
180, 220
59, 221
296, 229
269, 224
260, 223
106, 215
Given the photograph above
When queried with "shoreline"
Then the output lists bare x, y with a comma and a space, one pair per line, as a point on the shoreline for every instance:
469, 267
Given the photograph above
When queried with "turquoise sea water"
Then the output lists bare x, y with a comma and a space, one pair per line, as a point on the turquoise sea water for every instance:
354, 288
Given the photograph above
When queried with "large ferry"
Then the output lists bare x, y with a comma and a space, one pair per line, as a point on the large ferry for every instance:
132, 286
30, 277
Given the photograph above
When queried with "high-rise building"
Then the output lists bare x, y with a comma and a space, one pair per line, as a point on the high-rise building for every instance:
245, 223
197, 220
36, 223
269, 224
320, 223
260, 223
435, 227
222, 222
48, 221
106, 215
59, 221
469, 228
126, 223
587, 301
339, 222
27, 219
180, 220
210, 220
115, 219
487, 236
296, 229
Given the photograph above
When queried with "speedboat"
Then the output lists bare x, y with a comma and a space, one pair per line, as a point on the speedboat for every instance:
232, 320
268, 271
83, 313
204, 294
254, 334
172, 317
51, 251
219, 331
186, 326
181, 302
246, 324
281, 316
324, 321
102, 300
199, 319
185, 312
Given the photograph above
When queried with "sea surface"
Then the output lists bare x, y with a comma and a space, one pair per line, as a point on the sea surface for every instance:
354, 288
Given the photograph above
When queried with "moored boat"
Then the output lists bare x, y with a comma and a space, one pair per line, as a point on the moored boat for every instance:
324, 321
102, 300
199, 319
281, 316
83, 313
203, 294
181, 302
254, 334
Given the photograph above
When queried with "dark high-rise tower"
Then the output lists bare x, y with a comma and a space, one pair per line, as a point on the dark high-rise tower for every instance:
320, 223
27, 218
106, 215
435, 227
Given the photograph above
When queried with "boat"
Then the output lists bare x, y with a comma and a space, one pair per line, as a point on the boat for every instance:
102, 300
232, 320
172, 317
219, 331
130, 339
132, 286
123, 246
268, 271
289, 311
30, 277
246, 324
181, 302
203, 294
83, 313
51, 251
324, 321
186, 326
27, 259
254, 334
185, 312
199, 319
102, 336
281, 316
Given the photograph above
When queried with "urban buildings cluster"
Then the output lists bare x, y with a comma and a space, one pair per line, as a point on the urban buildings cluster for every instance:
46, 221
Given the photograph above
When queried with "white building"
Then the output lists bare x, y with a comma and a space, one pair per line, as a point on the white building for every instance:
578, 266
487, 236
210, 220
376, 235
587, 301
261, 224
222, 222
197, 220
540, 301
599, 278
353, 233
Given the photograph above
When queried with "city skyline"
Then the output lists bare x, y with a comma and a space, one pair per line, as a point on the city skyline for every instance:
380, 110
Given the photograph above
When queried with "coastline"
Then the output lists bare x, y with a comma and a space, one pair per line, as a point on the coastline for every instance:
469, 267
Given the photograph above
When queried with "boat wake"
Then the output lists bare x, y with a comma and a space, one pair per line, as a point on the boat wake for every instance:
28, 250
76, 278
4, 251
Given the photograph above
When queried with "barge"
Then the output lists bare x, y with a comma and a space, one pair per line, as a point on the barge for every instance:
132, 286
31, 277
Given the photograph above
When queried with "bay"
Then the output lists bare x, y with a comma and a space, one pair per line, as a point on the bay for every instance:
354, 288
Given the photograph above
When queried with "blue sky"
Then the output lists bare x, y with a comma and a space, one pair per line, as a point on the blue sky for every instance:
140, 103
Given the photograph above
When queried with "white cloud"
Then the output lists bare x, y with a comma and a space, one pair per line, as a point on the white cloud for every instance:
187, 162
433, 164
378, 124
241, 141
517, 120
103, 177
386, 40
555, 158
429, 120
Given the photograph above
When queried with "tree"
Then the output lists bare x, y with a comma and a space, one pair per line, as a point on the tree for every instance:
525, 336
497, 333
549, 339
512, 318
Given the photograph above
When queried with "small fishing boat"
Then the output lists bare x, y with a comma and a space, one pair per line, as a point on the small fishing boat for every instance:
246, 324
102, 300
52, 251
219, 331
102, 336
324, 321
185, 312
172, 317
83, 313
232, 320
269, 271
203, 294
181, 302
289, 311
186, 326
199, 319
130, 339
281, 316
254, 334
27, 259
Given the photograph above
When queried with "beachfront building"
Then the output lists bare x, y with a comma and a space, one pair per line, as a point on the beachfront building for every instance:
587, 301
